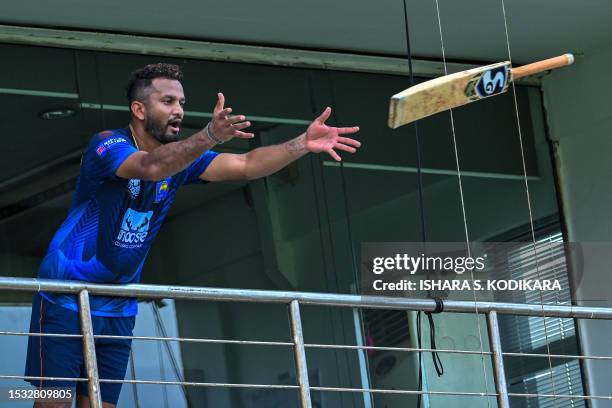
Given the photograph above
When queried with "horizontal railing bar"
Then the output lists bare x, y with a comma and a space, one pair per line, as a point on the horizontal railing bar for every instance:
329, 346
565, 396
476, 394
201, 384
193, 340
281, 343
309, 298
232, 385
558, 356
184, 339
10, 333
460, 393
338, 346
409, 392
27, 377
279, 386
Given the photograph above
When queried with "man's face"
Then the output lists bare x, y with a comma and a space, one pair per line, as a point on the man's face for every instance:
164, 110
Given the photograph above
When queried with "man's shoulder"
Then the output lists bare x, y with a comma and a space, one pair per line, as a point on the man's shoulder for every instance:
121, 133
107, 139
112, 132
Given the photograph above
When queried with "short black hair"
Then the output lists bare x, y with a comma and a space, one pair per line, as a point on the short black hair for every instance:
141, 79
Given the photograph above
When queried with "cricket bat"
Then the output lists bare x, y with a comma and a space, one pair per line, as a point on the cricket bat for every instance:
461, 88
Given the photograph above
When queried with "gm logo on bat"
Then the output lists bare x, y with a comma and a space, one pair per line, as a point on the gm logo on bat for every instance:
492, 82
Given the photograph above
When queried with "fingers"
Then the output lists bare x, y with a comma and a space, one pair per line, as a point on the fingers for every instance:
324, 116
235, 119
349, 141
347, 130
345, 148
334, 155
237, 122
240, 126
225, 126
346, 145
220, 102
243, 135
222, 114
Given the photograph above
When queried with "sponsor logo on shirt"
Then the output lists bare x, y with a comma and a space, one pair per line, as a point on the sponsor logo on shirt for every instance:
105, 145
134, 187
161, 190
134, 228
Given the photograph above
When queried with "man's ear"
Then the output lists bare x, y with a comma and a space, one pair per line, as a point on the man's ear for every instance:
138, 109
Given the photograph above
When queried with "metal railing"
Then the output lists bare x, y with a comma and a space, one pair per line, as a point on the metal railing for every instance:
293, 300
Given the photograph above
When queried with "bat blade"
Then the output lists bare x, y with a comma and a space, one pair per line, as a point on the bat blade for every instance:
447, 92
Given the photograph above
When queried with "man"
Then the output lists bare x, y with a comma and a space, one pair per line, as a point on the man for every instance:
128, 180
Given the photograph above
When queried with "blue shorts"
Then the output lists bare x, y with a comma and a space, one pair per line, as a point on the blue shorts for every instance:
63, 357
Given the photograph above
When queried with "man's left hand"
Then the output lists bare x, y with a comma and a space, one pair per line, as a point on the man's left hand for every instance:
323, 138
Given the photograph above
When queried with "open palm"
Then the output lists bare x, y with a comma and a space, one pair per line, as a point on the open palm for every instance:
323, 138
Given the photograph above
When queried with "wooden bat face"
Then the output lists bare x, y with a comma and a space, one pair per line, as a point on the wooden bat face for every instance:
450, 91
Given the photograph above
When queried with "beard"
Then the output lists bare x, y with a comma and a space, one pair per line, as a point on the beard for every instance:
157, 129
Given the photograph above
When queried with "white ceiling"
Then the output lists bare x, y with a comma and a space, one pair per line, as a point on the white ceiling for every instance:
473, 29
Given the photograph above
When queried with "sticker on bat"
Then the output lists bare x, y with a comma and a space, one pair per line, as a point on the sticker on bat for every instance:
492, 82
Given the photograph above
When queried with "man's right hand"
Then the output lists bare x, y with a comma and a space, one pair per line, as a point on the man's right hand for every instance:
225, 127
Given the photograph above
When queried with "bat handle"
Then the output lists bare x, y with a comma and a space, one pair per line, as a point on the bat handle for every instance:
541, 66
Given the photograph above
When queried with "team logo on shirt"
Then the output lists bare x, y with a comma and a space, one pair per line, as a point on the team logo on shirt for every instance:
134, 228
134, 187
161, 190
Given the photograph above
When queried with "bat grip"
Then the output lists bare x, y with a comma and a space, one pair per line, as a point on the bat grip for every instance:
541, 66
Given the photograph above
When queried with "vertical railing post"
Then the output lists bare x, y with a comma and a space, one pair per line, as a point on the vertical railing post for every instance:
299, 354
501, 386
89, 351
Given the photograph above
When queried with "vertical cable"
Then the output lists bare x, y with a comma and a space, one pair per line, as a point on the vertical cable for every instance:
435, 357
467, 238
533, 238
173, 361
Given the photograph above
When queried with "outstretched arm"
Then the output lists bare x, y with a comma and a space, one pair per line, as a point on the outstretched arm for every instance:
267, 160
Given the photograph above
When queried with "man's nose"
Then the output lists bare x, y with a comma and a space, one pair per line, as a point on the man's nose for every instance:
178, 110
